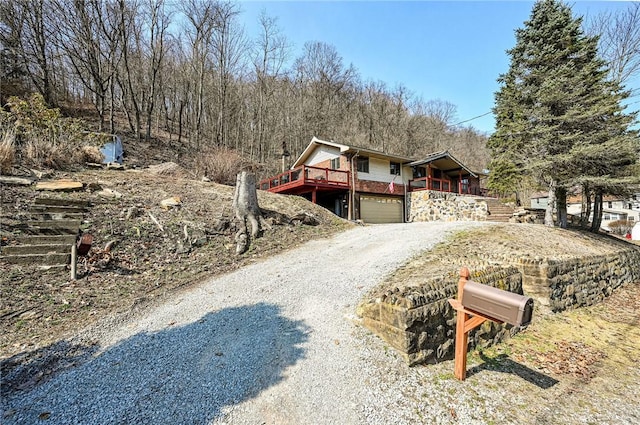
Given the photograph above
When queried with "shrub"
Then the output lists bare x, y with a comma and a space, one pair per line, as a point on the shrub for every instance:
40, 136
221, 165
621, 227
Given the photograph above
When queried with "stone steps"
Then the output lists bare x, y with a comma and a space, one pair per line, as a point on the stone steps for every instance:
52, 259
47, 234
498, 212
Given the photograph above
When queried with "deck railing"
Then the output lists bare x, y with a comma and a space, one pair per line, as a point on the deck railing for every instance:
309, 176
440, 185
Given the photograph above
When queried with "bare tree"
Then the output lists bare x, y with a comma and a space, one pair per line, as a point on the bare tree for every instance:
88, 32
619, 42
27, 29
229, 50
269, 54
201, 19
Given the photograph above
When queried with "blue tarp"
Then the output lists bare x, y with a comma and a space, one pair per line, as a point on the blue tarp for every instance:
113, 151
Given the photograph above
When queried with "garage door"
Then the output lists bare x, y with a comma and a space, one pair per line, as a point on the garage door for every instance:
379, 209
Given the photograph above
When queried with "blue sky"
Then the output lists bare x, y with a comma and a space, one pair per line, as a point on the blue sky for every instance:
452, 50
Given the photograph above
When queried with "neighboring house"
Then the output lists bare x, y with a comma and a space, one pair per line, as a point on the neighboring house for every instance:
614, 208
539, 200
358, 183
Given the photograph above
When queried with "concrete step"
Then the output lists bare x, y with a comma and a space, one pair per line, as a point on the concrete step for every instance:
35, 249
51, 227
55, 224
62, 202
41, 259
56, 209
45, 215
46, 240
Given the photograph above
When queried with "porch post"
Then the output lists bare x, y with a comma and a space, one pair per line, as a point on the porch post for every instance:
429, 176
313, 195
460, 182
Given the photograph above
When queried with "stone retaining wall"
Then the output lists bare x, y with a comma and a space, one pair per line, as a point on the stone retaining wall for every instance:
419, 322
562, 284
429, 205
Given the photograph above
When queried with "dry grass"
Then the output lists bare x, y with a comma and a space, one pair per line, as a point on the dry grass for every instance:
7, 151
221, 165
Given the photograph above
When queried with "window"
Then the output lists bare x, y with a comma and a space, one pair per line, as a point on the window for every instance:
363, 164
419, 172
335, 163
437, 174
609, 204
394, 168
631, 219
606, 217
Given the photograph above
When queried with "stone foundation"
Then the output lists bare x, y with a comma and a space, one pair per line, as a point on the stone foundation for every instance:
429, 205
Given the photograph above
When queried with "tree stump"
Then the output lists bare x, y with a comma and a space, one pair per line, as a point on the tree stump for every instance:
245, 206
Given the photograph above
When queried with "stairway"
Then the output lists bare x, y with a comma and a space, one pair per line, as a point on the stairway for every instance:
47, 235
498, 212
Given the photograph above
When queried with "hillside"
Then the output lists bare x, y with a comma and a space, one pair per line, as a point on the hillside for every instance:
40, 306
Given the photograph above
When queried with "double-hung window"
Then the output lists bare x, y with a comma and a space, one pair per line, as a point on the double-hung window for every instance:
394, 168
362, 164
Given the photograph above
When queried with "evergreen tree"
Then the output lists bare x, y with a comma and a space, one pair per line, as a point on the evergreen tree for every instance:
558, 119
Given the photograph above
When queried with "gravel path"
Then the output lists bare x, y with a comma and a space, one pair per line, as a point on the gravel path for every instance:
273, 343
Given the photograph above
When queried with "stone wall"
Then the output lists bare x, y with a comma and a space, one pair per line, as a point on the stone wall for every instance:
419, 322
429, 205
561, 284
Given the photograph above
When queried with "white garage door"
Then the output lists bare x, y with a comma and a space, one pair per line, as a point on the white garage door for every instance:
379, 209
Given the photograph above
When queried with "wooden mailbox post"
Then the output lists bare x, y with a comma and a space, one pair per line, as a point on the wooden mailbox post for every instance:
483, 303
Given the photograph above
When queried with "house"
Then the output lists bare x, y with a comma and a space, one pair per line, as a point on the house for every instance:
614, 208
359, 183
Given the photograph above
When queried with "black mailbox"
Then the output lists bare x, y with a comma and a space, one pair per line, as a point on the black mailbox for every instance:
495, 303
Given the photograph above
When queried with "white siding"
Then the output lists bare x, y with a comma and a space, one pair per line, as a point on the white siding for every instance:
379, 171
322, 153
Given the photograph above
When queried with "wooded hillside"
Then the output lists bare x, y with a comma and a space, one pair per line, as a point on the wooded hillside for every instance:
188, 72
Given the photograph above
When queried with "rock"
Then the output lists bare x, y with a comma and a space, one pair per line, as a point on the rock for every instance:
21, 181
167, 169
168, 203
41, 174
94, 187
62, 185
115, 166
132, 212
110, 193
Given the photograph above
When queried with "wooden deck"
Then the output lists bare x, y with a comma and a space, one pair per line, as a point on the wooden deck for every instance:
306, 179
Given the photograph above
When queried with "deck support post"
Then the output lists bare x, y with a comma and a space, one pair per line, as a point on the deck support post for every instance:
313, 195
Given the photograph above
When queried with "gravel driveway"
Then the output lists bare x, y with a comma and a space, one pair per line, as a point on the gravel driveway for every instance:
273, 343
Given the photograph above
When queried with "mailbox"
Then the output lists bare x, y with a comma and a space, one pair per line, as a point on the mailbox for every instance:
495, 303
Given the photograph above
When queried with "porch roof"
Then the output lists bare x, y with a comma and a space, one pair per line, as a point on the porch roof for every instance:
445, 162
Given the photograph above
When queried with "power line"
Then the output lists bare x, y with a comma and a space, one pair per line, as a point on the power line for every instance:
471, 119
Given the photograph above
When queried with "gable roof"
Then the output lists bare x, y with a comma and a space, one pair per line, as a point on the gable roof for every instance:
346, 149
445, 162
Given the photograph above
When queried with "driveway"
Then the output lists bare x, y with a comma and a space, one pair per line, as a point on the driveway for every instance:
276, 342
